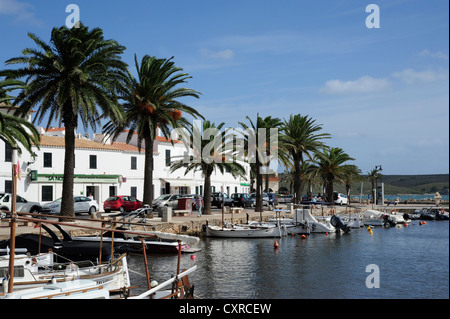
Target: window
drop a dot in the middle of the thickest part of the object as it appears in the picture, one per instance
(112, 190)
(133, 162)
(47, 193)
(133, 191)
(167, 157)
(8, 186)
(47, 159)
(93, 161)
(8, 153)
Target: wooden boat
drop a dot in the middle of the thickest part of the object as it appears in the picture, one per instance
(83, 288)
(39, 270)
(243, 231)
(159, 243)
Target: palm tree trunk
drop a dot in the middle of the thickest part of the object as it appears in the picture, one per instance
(67, 208)
(207, 192)
(259, 184)
(330, 195)
(148, 172)
(297, 182)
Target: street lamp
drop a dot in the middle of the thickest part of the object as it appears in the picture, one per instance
(378, 168)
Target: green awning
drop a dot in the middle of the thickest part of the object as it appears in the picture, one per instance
(78, 178)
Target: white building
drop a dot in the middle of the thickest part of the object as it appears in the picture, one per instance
(104, 169)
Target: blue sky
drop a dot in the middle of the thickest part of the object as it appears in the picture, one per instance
(382, 93)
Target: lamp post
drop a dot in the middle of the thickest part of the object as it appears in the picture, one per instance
(378, 168)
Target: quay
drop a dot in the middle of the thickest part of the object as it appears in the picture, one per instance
(191, 224)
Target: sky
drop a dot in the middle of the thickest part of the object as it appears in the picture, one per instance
(382, 93)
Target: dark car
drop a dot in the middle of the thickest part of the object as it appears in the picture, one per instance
(121, 203)
(273, 198)
(217, 198)
(242, 200)
(265, 199)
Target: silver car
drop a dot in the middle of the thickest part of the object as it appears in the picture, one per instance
(81, 204)
(169, 200)
(22, 205)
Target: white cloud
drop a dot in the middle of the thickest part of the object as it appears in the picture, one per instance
(437, 55)
(21, 11)
(411, 76)
(222, 55)
(365, 84)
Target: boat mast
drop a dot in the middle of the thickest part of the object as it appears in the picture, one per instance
(13, 221)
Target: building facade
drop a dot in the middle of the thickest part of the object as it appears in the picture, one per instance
(104, 168)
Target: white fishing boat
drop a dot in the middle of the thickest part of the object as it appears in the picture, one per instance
(39, 270)
(76, 289)
(243, 231)
(303, 222)
(377, 218)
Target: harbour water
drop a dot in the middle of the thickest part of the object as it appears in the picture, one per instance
(405, 263)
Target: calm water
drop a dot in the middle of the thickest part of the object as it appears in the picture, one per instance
(413, 263)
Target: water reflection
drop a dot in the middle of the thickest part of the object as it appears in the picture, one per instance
(319, 266)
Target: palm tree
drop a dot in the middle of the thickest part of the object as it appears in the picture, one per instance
(15, 130)
(351, 174)
(151, 101)
(330, 167)
(255, 153)
(269, 123)
(301, 138)
(216, 160)
(67, 79)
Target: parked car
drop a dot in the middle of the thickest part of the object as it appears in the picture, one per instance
(169, 200)
(265, 199)
(340, 199)
(22, 205)
(242, 200)
(286, 199)
(273, 198)
(121, 203)
(81, 204)
(216, 199)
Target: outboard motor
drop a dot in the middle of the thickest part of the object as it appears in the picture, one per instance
(387, 221)
(337, 223)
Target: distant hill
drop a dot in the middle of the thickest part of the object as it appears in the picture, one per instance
(402, 184)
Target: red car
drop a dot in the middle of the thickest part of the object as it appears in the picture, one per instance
(121, 203)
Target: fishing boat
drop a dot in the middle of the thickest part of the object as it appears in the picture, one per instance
(176, 287)
(303, 222)
(39, 270)
(243, 231)
(376, 218)
(158, 243)
(65, 248)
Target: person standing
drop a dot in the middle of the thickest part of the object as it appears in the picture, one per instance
(199, 205)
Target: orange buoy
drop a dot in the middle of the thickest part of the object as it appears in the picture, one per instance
(405, 224)
(276, 245)
(326, 234)
(303, 236)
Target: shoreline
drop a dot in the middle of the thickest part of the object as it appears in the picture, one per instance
(193, 225)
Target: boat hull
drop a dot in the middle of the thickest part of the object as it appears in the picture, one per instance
(243, 232)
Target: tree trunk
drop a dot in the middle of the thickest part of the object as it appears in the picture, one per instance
(297, 182)
(259, 184)
(148, 172)
(330, 193)
(207, 192)
(67, 208)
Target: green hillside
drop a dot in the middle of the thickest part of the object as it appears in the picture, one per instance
(401, 184)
